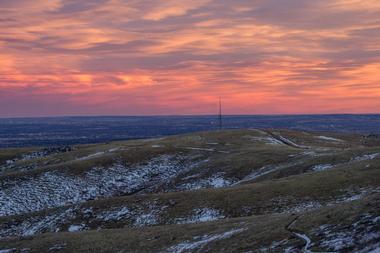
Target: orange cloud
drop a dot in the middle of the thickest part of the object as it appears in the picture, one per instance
(170, 8)
(177, 57)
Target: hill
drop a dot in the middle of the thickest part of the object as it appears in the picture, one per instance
(252, 190)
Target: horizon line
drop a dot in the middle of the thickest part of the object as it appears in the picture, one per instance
(185, 115)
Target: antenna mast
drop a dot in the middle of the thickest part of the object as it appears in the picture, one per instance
(220, 113)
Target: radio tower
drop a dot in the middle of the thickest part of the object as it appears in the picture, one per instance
(220, 114)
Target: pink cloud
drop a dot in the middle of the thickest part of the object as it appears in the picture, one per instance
(178, 57)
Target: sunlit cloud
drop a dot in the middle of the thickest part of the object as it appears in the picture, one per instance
(170, 8)
(64, 57)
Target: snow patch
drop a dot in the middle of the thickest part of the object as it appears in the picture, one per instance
(40, 224)
(8, 250)
(114, 149)
(304, 206)
(267, 170)
(215, 181)
(200, 242)
(76, 228)
(351, 195)
(53, 189)
(141, 216)
(364, 232)
(292, 205)
(147, 219)
(116, 214)
(201, 215)
(192, 176)
(329, 139)
(366, 157)
(91, 156)
(375, 248)
(272, 248)
(200, 149)
(322, 167)
(267, 140)
(58, 247)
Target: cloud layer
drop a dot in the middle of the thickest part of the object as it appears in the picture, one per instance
(66, 57)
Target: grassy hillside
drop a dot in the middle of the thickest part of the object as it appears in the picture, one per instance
(234, 191)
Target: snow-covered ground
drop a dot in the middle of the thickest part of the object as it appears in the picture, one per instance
(40, 224)
(200, 149)
(362, 235)
(206, 149)
(267, 170)
(366, 157)
(340, 238)
(267, 140)
(200, 242)
(322, 167)
(76, 227)
(303, 206)
(97, 154)
(200, 215)
(292, 205)
(361, 158)
(326, 138)
(115, 214)
(65, 193)
(215, 181)
(39, 154)
(351, 195)
(67, 219)
(53, 188)
(12, 250)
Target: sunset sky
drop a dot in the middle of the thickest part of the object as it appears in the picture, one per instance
(155, 57)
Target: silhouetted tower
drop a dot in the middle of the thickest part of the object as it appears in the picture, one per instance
(220, 114)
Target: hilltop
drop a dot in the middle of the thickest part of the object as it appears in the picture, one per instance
(253, 190)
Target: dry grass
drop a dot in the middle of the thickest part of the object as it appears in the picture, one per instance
(257, 205)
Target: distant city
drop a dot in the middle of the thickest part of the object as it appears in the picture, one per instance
(59, 131)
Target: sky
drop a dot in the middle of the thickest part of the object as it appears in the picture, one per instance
(177, 57)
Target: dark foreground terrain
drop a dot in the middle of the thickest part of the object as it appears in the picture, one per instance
(230, 191)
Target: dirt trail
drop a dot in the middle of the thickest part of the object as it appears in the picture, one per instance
(285, 140)
(301, 236)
